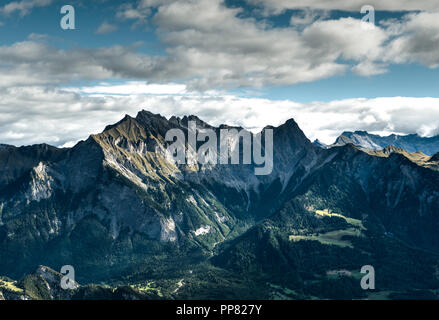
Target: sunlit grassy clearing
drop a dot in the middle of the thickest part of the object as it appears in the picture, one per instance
(147, 287)
(330, 238)
(328, 213)
(9, 285)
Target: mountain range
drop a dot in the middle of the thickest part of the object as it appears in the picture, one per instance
(411, 143)
(129, 218)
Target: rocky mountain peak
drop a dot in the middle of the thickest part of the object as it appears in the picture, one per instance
(290, 133)
(435, 158)
(199, 123)
(149, 118)
(343, 140)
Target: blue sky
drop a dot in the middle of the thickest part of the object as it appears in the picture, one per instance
(89, 16)
(261, 52)
(412, 79)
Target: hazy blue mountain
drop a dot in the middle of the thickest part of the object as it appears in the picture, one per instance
(411, 143)
(320, 144)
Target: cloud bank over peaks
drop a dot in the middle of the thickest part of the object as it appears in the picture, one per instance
(61, 117)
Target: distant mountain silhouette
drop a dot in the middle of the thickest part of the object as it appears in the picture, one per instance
(411, 143)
